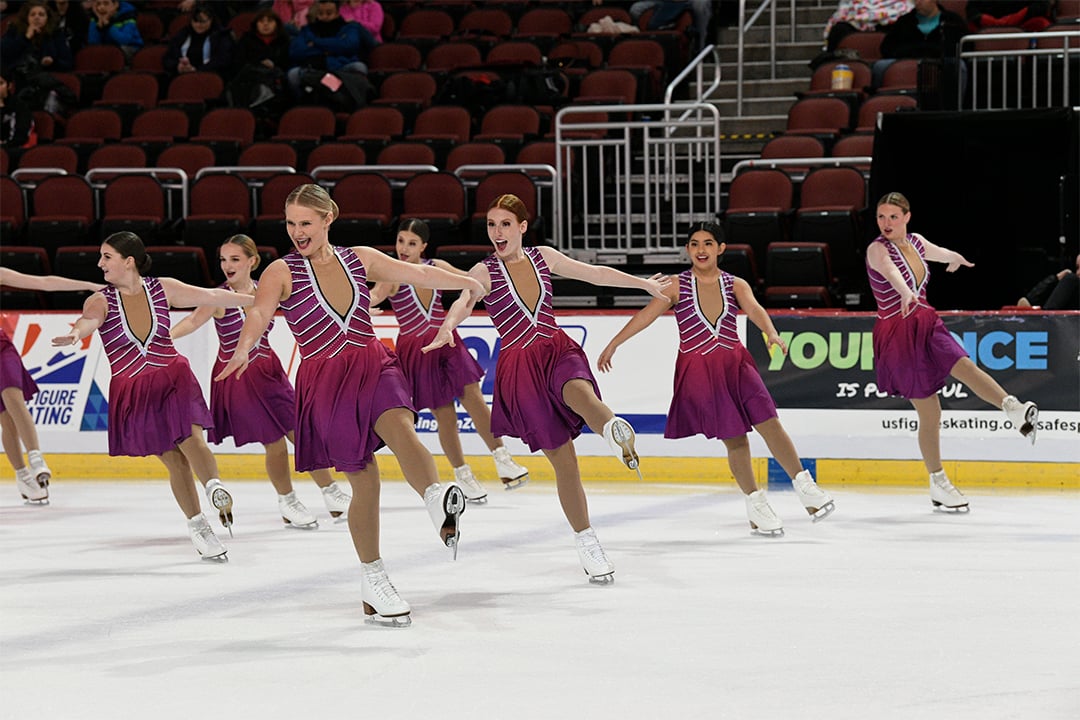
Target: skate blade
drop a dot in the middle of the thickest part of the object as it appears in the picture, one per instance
(222, 558)
(623, 435)
(393, 621)
(310, 526)
(777, 533)
(950, 509)
(478, 501)
(819, 514)
(514, 483)
(608, 579)
(452, 543)
(39, 501)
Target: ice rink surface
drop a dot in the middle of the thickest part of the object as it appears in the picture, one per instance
(884, 610)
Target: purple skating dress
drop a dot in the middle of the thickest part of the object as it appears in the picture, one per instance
(718, 390)
(12, 371)
(154, 398)
(441, 375)
(260, 405)
(535, 360)
(913, 355)
(347, 378)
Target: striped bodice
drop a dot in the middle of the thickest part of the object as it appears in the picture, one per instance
(228, 328)
(128, 355)
(696, 333)
(413, 318)
(885, 295)
(517, 325)
(319, 330)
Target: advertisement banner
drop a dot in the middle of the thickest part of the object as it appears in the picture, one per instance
(824, 388)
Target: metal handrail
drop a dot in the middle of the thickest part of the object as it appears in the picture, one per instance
(154, 172)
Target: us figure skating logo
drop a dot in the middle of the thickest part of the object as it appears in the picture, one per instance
(63, 388)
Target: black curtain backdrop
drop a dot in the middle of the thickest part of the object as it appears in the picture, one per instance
(1000, 187)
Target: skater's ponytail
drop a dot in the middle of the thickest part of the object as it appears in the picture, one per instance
(129, 245)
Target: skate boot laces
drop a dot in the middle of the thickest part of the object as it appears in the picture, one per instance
(593, 558)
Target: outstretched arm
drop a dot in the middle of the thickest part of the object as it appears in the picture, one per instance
(181, 294)
(193, 321)
(94, 310)
(599, 275)
(641, 320)
(936, 253)
(274, 286)
(45, 283)
(757, 314)
(878, 258)
(461, 308)
(382, 290)
(383, 268)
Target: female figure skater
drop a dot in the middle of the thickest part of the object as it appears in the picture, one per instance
(544, 390)
(718, 390)
(913, 352)
(438, 377)
(155, 404)
(351, 396)
(262, 407)
(16, 387)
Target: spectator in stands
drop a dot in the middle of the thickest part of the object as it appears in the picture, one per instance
(666, 12)
(33, 44)
(853, 16)
(16, 117)
(1030, 16)
(328, 43)
(262, 57)
(113, 23)
(368, 13)
(1059, 291)
(295, 13)
(73, 22)
(927, 32)
(203, 45)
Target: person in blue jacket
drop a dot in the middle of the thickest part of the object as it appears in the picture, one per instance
(328, 42)
(113, 23)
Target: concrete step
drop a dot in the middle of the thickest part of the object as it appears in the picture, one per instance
(762, 88)
(760, 35)
(803, 51)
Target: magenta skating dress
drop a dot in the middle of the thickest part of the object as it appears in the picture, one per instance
(441, 375)
(347, 378)
(12, 371)
(260, 405)
(718, 391)
(154, 398)
(913, 355)
(535, 360)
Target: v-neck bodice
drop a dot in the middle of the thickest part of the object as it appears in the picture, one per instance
(414, 318)
(129, 354)
(885, 295)
(697, 333)
(320, 331)
(228, 328)
(519, 325)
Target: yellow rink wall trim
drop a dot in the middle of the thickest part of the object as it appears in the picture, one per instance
(675, 470)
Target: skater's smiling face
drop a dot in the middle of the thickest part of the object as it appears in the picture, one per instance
(410, 247)
(704, 250)
(236, 265)
(505, 231)
(308, 229)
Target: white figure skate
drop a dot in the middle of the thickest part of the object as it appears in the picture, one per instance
(294, 513)
(511, 474)
(33, 492)
(600, 570)
(620, 437)
(818, 502)
(41, 471)
(382, 604)
(220, 498)
(1025, 416)
(474, 491)
(944, 496)
(763, 520)
(337, 502)
(445, 504)
(205, 541)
